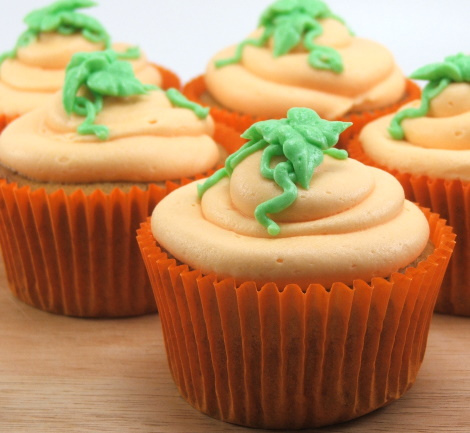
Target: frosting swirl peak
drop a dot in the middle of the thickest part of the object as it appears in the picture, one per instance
(303, 55)
(302, 139)
(349, 221)
(361, 234)
(432, 136)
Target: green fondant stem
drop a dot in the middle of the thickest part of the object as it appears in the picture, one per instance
(211, 181)
(336, 153)
(279, 203)
(271, 151)
(100, 74)
(179, 100)
(309, 39)
(62, 18)
(239, 50)
(297, 139)
(249, 148)
(88, 126)
(431, 90)
(289, 25)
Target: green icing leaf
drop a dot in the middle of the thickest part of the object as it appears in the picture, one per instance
(454, 69)
(286, 37)
(98, 74)
(317, 8)
(437, 71)
(302, 140)
(302, 117)
(291, 22)
(462, 62)
(49, 23)
(304, 158)
(117, 79)
(61, 18)
(282, 177)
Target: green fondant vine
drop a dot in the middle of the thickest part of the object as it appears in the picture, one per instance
(454, 69)
(290, 22)
(92, 76)
(302, 140)
(61, 17)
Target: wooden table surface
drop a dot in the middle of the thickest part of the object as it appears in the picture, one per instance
(59, 374)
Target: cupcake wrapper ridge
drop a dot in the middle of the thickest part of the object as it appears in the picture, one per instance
(169, 78)
(195, 88)
(76, 254)
(283, 358)
(451, 200)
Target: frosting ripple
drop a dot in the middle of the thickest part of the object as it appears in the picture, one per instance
(436, 145)
(352, 223)
(149, 141)
(38, 71)
(268, 86)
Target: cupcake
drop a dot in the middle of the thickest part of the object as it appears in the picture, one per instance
(35, 68)
(78, 176)
(427, 147)
(298, 291)
(302, 54)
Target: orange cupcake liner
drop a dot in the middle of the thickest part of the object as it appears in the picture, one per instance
(280, 357)
(5, 120)
(75, 254)
(197, 87)
(451, 200)
(169, 78)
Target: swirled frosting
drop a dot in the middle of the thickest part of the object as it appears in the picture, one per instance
(38, 70)
(149, 141)
(352, 223)
(267, 86)
(437, 144)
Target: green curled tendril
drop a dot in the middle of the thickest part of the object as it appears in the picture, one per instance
(302, 140)
(290, 22)
(60, 17)
(90, 77)
(454, 69)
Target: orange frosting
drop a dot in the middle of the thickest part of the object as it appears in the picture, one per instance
(436, 145)
(352, 223)
(38, 71)
(267, 86)
(150, 140)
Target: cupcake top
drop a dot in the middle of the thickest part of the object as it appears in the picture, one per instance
(304, 55)
(35, 67)
(289, 208)
(107, 126)
(431, 136)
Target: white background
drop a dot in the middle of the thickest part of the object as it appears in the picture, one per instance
(183, 35)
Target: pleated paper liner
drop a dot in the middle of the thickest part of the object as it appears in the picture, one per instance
(451, 200)
(169, 78)
(283, 358)
(196, 88)
(75, 253)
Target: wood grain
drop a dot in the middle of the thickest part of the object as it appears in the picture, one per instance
(59, 374)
